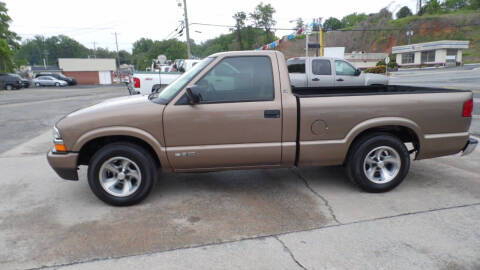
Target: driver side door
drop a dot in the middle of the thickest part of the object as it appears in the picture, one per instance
(237, 122)
(345, 75)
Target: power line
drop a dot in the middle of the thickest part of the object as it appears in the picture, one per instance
(338, 30)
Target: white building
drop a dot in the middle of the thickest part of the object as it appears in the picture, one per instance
(442, 52)
(89, 70)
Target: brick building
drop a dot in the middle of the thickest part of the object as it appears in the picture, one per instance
(89, 70)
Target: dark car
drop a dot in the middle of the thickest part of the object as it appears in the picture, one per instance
(58, 76)
(11, 81)
(25, 82)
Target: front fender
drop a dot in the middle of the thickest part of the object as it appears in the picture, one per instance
(124, 131)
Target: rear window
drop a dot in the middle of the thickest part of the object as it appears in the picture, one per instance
(296, 66)
(321, 67)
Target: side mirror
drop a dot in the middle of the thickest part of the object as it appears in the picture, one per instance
(193, 97)
(358, 72)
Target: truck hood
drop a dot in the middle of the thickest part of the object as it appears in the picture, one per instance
(136, 112)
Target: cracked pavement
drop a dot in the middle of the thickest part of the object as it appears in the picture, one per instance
(300, 218)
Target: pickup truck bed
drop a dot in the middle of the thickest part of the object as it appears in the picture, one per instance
(369, 90)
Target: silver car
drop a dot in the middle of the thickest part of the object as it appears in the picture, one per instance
(48, 81)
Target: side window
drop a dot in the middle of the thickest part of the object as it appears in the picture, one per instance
(344, 68)
(296, 66)
(321, 67)
(237, 79)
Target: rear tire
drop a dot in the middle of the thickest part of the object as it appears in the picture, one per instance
(121, 174)
(378, 162)
(37, 84)
(9, 87)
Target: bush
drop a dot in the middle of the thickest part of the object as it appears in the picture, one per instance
(377, 69)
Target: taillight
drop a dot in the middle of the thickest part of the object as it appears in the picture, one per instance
(136, 82)
(468, 108)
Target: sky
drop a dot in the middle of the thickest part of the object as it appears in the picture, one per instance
(96, 21)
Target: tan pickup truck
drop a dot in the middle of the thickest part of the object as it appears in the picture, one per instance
(236, 110)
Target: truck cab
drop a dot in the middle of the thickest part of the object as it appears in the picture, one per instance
(311, 72)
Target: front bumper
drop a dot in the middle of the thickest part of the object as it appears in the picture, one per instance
(470, 146)
(64, 164)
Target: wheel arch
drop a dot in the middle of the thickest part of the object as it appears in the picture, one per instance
(404, 129)
(93, 140)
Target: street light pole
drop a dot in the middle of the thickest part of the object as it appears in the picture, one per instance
(186, 28)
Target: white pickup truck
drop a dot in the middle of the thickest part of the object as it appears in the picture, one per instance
(306, 72)
(146, 82)
(143, 81)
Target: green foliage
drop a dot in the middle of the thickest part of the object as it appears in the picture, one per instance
(456, 4)
(142, 45)
(353, 19)
(392, 64)
(34, 50)
(299, 23)
(6, 63)
(240, 18)
(377, 69)
(262, 16)
(8, 40)
(332, 24)
(404, 12)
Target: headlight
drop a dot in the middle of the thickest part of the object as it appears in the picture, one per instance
(56, 133)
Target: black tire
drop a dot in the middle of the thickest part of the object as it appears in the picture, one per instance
(8, 87)
(135, 153)
(358, 154)
(37, 84)
(57, 84)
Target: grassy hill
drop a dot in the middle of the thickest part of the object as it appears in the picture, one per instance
(461, 25)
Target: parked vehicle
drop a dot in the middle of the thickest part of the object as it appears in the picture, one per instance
(188, 64)
(58, 76)
(144, 82)
(48, 81)
(328, 72)
(11, 81)
(236, 110)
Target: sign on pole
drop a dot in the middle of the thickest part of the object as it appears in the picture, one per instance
(387, 60)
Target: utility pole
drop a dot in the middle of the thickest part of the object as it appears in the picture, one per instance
(94, 51)
(118, 57)
(186, 28)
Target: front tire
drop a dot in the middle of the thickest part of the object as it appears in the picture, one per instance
(57, 84)
(121, 174)
(9, 87)
(37, 84)
(378, 162)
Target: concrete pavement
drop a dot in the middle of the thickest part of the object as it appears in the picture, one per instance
(309, 218)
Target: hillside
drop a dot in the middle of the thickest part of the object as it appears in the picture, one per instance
(459, 25)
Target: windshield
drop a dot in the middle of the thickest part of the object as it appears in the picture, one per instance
(171, 90)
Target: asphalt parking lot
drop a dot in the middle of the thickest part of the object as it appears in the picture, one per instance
(309, 218)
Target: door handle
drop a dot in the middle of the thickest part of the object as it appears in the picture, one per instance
(340, 80)
(271, 114)
(315, 79)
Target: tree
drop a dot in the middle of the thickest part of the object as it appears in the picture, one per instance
(456, 4)
(432, 7)
(34, 50)
(8, 40)
(332, 24)
(262, 17)
(474, 4)
(353, 19)
(240, 18)
(142, 45)
(299, 23)
(404, 12)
